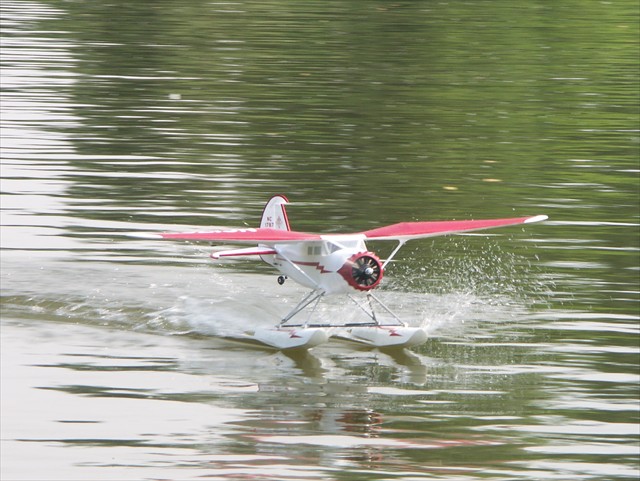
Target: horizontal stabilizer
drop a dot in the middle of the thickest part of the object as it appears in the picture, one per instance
(250, 251)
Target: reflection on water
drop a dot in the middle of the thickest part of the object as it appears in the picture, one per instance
(120, 357)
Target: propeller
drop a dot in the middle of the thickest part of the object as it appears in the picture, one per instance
(362, 271)
(366, 270)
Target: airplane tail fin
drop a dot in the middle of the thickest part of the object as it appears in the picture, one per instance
(274, 215)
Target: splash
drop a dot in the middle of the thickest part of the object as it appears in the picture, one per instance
(460, 287)
(229, 317)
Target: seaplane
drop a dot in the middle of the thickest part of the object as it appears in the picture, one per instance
(332, 264)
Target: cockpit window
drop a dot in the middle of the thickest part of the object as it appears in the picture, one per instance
(332, 247)
(314, 250)
(322, 248)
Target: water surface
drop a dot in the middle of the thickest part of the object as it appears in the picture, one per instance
(117, 354)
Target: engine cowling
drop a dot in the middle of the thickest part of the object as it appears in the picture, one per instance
(362, 271)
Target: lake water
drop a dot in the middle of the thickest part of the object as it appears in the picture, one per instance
(122, 117)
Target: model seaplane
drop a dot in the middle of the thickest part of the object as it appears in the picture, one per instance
(332, 264)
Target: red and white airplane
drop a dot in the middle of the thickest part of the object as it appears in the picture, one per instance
(332, 264)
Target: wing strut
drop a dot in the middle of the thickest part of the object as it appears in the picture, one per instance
(296, 267)
(401, 242)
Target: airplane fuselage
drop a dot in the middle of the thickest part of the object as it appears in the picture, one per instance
(335, 264)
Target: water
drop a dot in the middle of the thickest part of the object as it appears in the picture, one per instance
(123, 117)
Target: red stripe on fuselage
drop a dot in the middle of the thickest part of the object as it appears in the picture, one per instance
(317, 265)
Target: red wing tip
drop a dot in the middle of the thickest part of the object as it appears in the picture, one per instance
(537, 218)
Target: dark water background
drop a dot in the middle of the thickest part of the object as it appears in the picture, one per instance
(148, 115)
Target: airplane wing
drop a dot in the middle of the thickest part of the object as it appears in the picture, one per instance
(414, 230)
(403, 231)
(249, 235)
